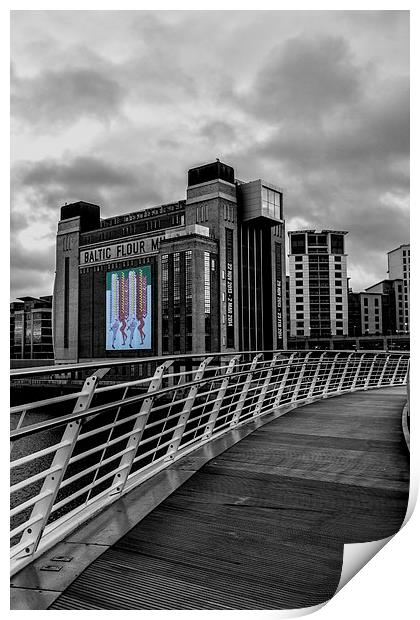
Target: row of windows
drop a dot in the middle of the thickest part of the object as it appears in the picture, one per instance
(137, 228)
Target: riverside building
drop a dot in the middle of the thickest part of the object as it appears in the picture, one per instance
(318, 283)
(202, 274)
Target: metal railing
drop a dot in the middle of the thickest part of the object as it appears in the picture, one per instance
(74, 454)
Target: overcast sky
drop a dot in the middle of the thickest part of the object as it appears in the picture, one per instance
(114, 107)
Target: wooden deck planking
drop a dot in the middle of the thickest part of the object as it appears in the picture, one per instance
(262, 526)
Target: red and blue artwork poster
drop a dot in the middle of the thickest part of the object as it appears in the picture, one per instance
(129, 309)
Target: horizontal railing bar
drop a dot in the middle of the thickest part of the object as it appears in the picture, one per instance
(61, 520)
(77, 494)
(28, 481)
(83, 455)
(30, 502)
(137, 398)
(94, 467)
(56, 422)
(145, 454)
(38, 454)
(146, 468)
(47, 402)
(43, 370)
(62, 368)
(25, 525)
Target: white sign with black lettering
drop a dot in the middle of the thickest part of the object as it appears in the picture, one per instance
(120, 251)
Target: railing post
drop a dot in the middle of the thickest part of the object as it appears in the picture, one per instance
(330, 375)
(314, 380)
(185, 414)
(370, 372)
(208, 430)
(138, 429)
(265, 386)
(244, 392)
(343, 376)
(42, 508)
(357, 373)
(300, 378)
(383, 371)
(398, 364)
(283, 381)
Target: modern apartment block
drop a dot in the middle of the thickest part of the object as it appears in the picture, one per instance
(318, 283)
(202, 274)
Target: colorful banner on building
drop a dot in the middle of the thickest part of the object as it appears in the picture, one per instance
(129, 309)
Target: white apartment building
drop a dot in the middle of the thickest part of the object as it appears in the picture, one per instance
(318, 283)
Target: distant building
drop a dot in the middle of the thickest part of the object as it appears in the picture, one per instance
(31, 328)
(399, 269)
(318, 283)
(365, 314)
(392, 299)
(395, 292)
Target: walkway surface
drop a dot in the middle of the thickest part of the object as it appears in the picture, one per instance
(262, 526)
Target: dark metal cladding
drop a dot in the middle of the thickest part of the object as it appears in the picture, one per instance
(89, 214)
(211, 172)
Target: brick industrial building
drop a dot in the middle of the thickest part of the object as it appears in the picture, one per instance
(197, 275)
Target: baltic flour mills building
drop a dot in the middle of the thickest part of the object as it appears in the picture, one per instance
(204, 274)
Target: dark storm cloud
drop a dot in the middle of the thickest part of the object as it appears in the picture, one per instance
(306, 79)
(57, 97)
(51, 183)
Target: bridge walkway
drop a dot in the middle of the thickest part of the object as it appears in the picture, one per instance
(262, 526)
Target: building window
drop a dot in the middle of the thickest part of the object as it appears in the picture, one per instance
(337, 244)
(271, 203)
(66, 301)
(298, 244)
(177, 280)
(207, 283)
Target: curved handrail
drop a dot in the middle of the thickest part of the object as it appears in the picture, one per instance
(77, 462)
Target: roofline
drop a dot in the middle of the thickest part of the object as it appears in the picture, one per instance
(403, 245)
